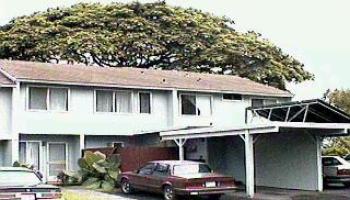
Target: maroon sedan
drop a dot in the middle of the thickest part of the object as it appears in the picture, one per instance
(177, 178)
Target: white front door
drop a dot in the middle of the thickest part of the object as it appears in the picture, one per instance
(57, 159)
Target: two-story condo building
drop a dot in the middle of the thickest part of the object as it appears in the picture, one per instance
(50, 112)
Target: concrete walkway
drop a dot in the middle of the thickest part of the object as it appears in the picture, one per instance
(78, 193)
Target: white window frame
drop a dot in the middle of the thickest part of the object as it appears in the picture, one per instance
(231, 100)
(263, 98)
(47, 98)
(150, 102)
(196, 96)
(41, 163)
(114, 92)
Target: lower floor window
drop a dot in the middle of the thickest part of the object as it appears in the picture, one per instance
(29, 153)
(56, 156)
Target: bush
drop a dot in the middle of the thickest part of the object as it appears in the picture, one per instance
(96, 172)
(67, 178)
(18, 164)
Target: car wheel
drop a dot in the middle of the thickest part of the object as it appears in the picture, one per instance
(125, 186)
(168, 193)
(215, 197)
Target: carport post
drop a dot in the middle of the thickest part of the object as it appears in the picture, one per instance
(249, 166)
(81, 143)
(319, 163)
(180, 143)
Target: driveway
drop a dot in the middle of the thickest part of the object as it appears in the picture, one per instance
(262, 194)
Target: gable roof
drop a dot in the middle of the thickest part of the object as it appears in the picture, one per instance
(134, 78)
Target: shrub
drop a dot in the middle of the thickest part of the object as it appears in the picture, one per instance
(96, 172)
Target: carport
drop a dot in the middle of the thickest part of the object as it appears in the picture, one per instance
(281, 143)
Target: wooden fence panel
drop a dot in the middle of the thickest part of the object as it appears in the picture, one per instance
(133, 158)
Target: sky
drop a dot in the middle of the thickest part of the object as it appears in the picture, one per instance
(316, 32)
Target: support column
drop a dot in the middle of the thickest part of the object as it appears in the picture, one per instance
(319, 163)
(175, 108)
(180, 143)
(82, 143)
(249, 164)
(14, 123)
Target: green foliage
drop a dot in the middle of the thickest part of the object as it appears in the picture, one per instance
(147, 35)
(340, 99)
(18, 164)
(69, 178)
(338, 145)
(96, 172)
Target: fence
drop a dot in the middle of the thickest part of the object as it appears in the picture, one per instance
(133, 158)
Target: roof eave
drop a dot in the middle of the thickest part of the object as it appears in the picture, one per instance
(24, 80)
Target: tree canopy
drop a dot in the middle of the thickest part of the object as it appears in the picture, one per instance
(150, 35)
(338, 145)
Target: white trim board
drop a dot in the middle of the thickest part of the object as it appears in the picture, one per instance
(271, 127)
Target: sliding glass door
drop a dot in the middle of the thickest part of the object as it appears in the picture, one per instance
(57, 159)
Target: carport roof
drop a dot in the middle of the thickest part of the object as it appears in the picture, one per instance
(315, 110)
(322, 129)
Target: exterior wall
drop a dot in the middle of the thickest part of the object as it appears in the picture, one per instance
(5, 111)
(281, 160)
(227, 155)
(224, 113)
(223, 154)
(73, 148)
(81, 117)
(197, 149)
(104, 141)
(286, 161)
(151, 139)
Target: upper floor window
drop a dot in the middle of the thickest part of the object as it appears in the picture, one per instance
(123, 101)
(145, 102)
(58, 98)
(188, 105)
(42, 98)
(232, 97)
(262, 102)
(196, 105)
(113, 101)
(104, 101)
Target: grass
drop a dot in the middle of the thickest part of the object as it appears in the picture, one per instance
(80, 193)
(71, 195)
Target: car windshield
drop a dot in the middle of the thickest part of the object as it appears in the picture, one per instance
(347, 157)
(191, 169)
(334, 161)
(16, 178)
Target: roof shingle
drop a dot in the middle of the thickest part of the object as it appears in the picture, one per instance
(134, 77)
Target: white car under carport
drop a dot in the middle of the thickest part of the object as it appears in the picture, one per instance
(336, 170)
